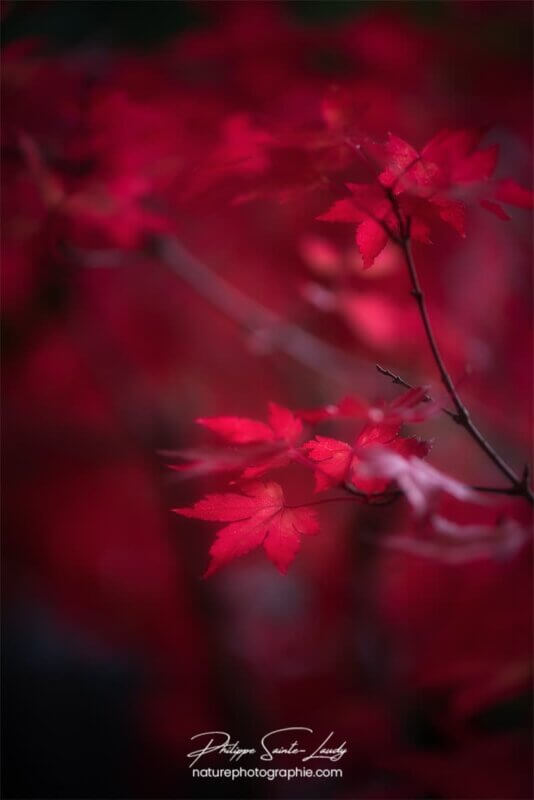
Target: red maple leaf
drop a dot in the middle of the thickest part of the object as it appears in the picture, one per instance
(336, 461)
(332, 458)
(263, 446)
(411, 406)
(370, 208)
(448, 159)
(283, 425)
(257, 517)
(350, 406)
(422, 183)
(278, 436)
(388, 436)
(421, 483)
(242, 150)
(510, 193)
(451, 160)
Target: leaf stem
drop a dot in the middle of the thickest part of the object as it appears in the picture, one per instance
(323, 500)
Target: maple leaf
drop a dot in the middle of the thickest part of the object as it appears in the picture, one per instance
(411, 406)
(282, 425)
(239, 430)
(243, 150)
(420, 482)
(405, 167)
(421, 183)
(267, 463)
(113, 210)
(262, 446)
(205, 461)
(371, 210)
(298, 161)
(336, 461)
(449, 160)
(257, 517)
(280, 434)
(388, 436)
(456, 155)
(332, 458)
(350, 406)
(510, 193)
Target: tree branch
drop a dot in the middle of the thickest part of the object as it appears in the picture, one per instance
(268, 326)
(461, 416)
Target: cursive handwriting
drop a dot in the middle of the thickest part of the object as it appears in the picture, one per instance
(328, 753)
(226, 746)
(273, 744)
(286, 751)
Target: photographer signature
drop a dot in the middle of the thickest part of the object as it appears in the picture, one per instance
(280, 742)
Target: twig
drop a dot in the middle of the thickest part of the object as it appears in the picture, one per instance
(461, 415)
(397, 379)
(401, 382)
(510, 490)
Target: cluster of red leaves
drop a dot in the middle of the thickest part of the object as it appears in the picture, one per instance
(378, 461)
(430, 185)
(425, 184)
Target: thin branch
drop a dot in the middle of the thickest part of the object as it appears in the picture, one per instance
(401, 382)
(461, 416)
(512, 491)
(251, 315)
(393, 494)
(397, 379)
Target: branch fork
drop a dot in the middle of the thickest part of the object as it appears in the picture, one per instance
(520, 485)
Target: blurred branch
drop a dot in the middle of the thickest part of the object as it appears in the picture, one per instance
(390, 495)
(270, 329)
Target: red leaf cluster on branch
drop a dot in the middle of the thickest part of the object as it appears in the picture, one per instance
(427, 185)
(409, 191)
(376, 467)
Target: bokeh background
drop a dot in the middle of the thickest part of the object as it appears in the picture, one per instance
(139, 295)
